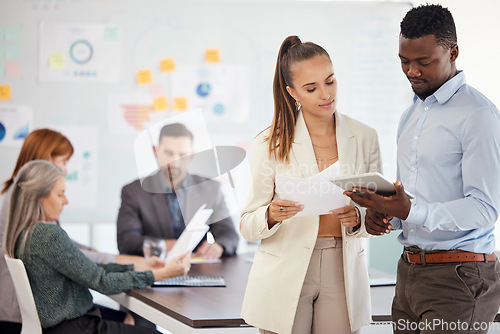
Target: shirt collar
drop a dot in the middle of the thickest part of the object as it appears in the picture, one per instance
(166, 186)
(448, 89)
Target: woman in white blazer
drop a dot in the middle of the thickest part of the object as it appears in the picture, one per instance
(309, 274)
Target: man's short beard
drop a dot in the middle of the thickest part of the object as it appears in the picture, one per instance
(173, 179)
(424, 94)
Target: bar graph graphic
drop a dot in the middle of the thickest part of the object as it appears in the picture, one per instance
(137, 115)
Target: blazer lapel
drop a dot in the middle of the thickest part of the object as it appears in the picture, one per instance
(346, 145)
(190, 195)
(302, 150)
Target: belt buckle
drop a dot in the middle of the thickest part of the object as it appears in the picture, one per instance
(422, 256)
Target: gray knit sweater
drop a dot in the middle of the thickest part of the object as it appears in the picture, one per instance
(60, 275)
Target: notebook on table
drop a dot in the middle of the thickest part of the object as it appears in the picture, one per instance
(192, 281)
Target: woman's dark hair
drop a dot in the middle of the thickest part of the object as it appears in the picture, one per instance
(282, 129)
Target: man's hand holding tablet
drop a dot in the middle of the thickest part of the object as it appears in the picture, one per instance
(375, 182)
(381, 197)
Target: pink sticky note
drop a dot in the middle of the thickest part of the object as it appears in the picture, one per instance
(13, 68)
(157, 90)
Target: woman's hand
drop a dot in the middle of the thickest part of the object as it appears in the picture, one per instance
(177, 267)
(143, 264)
(348, 215)
(280, 210)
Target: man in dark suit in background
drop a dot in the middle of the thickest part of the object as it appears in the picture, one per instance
(161, 205)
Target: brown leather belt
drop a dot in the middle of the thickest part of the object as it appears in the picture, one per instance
(447, 257)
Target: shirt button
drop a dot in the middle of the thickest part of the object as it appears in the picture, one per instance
(412, 230)
(413, 169)
(416, 137)
(426, 108)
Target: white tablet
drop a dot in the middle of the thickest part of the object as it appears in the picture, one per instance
(371, 181)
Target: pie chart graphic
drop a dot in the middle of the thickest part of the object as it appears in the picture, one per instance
(218, 109)
(81, 51)
(203, 89)
(2, 131)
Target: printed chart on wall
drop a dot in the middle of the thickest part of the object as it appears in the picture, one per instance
(15, 124)
(81, 179)
(131, 112)
(79, 53)
(221, 91)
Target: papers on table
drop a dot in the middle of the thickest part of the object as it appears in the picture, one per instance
(203, 260)
(192, 234)
(316, 193)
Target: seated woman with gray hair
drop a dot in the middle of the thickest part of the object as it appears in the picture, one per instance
(59, 273)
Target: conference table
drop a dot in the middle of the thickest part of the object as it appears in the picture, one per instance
(216, 309)
(197, 309)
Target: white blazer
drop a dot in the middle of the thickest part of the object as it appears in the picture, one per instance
(283, 256)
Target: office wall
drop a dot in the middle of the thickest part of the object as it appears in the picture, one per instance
(361, 38)
(78, 65)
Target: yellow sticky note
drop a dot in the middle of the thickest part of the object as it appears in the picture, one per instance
(180, 104)
(57, 61)
(4, 93)
(167, 65)
(212, 56)
(160, 103)
(144, 77)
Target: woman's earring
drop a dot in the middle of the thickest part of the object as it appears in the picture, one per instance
(298, 105)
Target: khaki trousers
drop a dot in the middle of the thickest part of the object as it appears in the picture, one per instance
(322, 307)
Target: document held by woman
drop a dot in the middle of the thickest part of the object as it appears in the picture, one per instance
(316, 193)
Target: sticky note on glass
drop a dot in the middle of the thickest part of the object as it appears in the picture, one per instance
(4, 92)
(167, 65)
(13, 33)
(144, 77)
(156, 90)
(112, 33)
(13, 68)
(180, 103)
(12, 51)
(160, 103)
(57, 61)
(212, 56)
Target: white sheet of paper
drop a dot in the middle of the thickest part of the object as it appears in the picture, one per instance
(192, 234)
(316, 193)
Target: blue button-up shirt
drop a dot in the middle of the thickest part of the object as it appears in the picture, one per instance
(449, 158)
